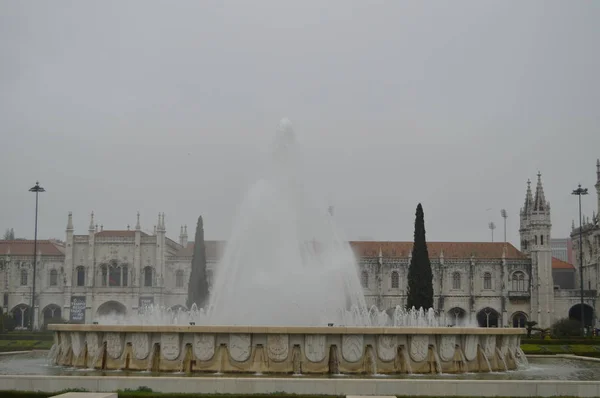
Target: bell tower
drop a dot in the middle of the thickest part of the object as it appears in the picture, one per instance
(535, 231)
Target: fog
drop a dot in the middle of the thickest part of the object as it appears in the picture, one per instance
(155, 106)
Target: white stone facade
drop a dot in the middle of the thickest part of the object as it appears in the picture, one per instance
(490, 283)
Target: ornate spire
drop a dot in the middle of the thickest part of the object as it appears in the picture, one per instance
(528, 198)
(539, 203)
(185, 231)
(572, 225)
(137, 224)
(70, 222)
(161, 222)
(598, 171)
(91, 228)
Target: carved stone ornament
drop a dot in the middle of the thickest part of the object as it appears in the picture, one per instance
(239, 347)
(418, 347)
(315, 347)
(470, 347)
(65, 341)
(77, 343)
(504, 342)
(489, 345)
(278, 347)
(141, 345)
(387, 346)
(447, 347)
(91, 340)
(513, 344)
(114, 345)
(204, 346)
(352, 347)
(169, 345)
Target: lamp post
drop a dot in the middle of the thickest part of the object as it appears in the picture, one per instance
(492, 227)
(37, 189)
(504, 216)
(581, 191)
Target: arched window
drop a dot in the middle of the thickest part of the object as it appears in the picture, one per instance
(148, 276)
(125, 272)
(53, 277)
(487, 281)
(23, 277)
(115, 275)
(80, 276)
(456, 281)
(541, 239)
(518, 281)
(364, 279)
(104, 274)
(395, 280)
(519, 319)
(179, 278)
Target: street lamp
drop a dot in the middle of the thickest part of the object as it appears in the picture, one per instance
(504, 216)
(581, 191)
(37, 189)
(492, 227)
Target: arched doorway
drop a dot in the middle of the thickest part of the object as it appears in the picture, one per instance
(22, 316)
(111, 308)
(488, 318)
(52, 314)
(519, 319)
(588, 314)
(456, 316)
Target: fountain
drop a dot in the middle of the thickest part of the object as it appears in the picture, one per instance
(286, 299)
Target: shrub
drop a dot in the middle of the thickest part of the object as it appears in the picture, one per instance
(566, 328)
(7, 323)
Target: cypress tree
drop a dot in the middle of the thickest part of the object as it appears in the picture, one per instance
(198, 286)
(420, 277)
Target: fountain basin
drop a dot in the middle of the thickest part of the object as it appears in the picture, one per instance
(287, 350)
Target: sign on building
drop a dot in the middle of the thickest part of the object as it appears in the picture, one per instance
(77, 313)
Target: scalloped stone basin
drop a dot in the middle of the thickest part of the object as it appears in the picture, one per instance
(292, 350)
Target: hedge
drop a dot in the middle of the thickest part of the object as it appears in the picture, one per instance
(592, 342)
(42, 336)
(575, 349)
(140, 394)
(150, 394)
(24, 345)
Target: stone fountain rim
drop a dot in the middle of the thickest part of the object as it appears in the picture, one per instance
(368, 330)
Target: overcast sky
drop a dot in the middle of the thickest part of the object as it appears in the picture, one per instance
(170, 106)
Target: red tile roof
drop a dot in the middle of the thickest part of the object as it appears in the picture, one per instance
(118, 234)
(214, 249)
(559, 264)
(25, 248)
(485, 250)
